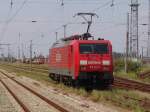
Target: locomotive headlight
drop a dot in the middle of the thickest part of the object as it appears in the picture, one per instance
(106, 62)
(83, 62)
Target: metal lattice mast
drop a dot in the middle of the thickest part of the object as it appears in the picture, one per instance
(134, 41)
(148, 46)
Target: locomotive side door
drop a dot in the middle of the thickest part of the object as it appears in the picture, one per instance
(71, 60)
(74, 60)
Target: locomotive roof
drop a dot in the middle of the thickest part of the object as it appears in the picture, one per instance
(79, 38)
(62, 43)
(84, 36)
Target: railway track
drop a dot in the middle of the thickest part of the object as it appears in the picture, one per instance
(34, 68)
(118, 81)
(28, 69)
(10, 84)
(144, 75)
(131, 84)
(23, 106)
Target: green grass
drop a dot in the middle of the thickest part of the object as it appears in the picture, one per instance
(108, 97)
(146, 67)
(134, 68)
(130, 75)
(134, 75)
(42, 66)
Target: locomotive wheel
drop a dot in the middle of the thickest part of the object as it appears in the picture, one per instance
(51, 76)
(69, 81)
(75, 83)
(105, 84)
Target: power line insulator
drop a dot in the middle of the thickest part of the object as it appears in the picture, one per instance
(62, 3)
(112, 4)
(11, 4)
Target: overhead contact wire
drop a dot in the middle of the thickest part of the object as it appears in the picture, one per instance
(8, 21)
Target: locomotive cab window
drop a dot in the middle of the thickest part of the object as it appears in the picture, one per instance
(93, 48)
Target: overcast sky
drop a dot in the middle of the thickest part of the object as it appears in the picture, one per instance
(50, 16)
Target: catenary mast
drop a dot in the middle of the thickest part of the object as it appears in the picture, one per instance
(148, 45)
(134, 39)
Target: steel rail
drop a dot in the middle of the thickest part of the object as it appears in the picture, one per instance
(131, 84)
(51, 103)
(27, 68)
(121, 83)
(144, 74)
(16, 98)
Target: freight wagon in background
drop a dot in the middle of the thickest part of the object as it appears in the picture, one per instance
(80, 61)
(146, 60)
(37, 60)
(40, 60)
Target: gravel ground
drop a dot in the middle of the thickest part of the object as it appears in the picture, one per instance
(34, 103)
(72, 102)
(7, 102)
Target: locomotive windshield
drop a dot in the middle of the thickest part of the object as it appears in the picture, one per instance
(93, 48)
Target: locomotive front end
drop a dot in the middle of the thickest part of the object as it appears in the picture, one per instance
(96, 62)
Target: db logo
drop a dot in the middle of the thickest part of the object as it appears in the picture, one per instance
(58, 57)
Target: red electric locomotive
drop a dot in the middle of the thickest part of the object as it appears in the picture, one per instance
(81, 61)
